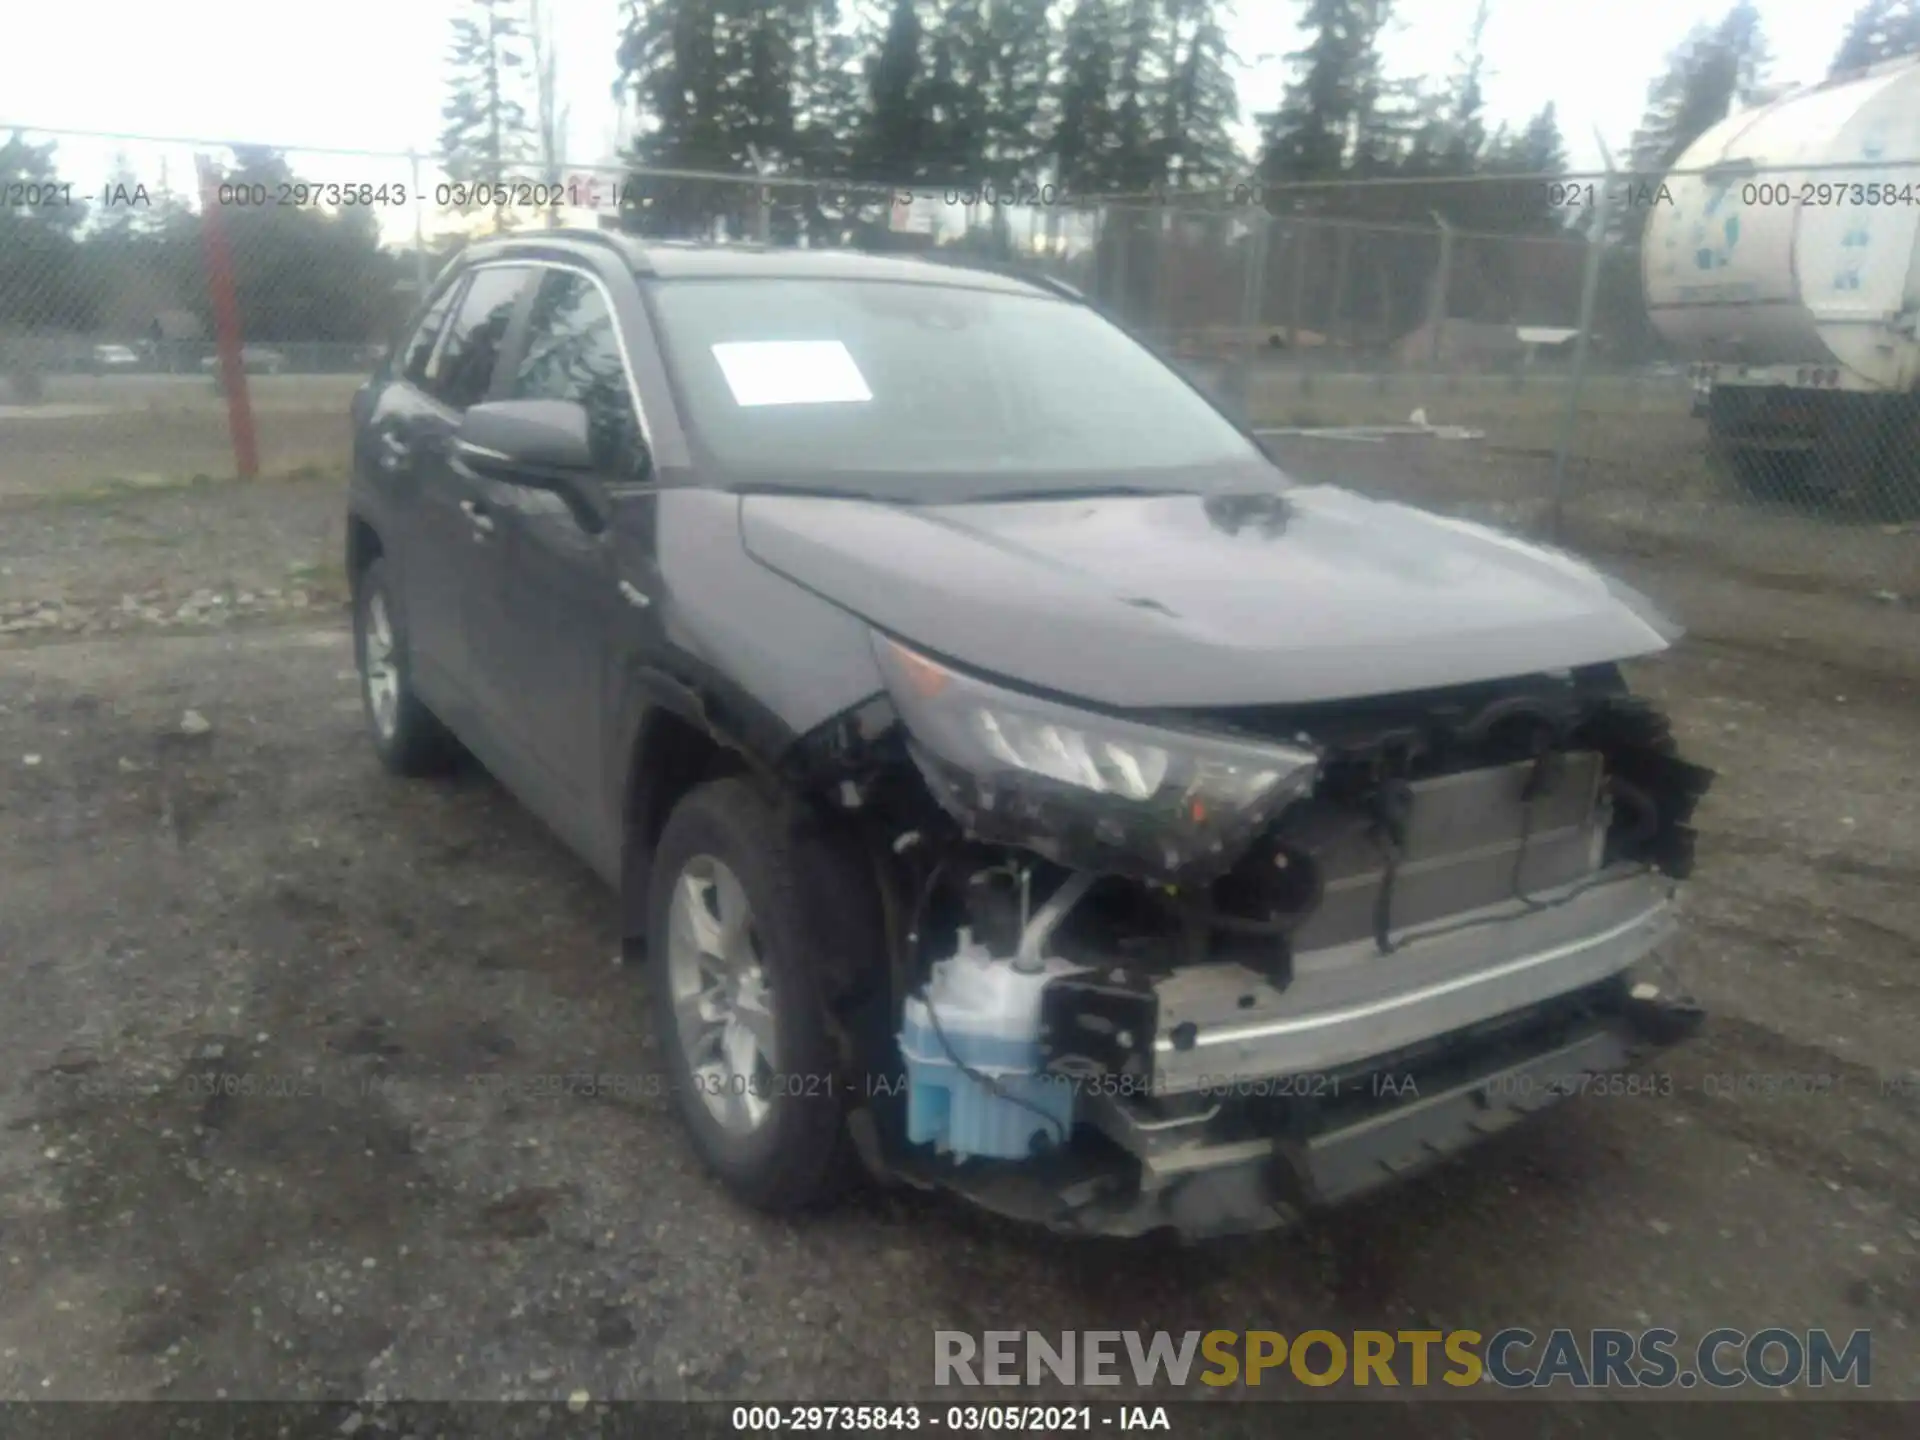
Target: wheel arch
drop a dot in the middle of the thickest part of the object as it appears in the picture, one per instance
(364, 546)
(674, 750)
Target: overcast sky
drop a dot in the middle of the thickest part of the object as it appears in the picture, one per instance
(369, 74)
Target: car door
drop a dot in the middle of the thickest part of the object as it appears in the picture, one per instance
(544, 652)
(398, 413)
(450, 554)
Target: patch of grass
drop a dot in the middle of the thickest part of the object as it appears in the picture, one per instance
(113, 488)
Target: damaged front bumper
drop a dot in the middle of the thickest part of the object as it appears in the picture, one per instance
(1223, 1024)
(1333, 1138)
(1268, 1101)
(1416, 932)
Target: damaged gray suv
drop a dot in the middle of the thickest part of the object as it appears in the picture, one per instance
(1012, 783)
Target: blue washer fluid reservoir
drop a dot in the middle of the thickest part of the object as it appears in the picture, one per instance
(989, 1013)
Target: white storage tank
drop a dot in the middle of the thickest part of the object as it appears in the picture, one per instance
(1755, 265)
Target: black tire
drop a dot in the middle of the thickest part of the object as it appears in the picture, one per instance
(800, 896)
(413, 742)
(1767, 476)
(1886, 474)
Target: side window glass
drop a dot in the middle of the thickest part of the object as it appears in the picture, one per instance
(573, 353)
(461, 371)
(413, 363)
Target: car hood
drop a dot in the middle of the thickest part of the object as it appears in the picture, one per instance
(1311, 593)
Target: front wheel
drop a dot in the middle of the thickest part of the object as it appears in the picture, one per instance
(741, 989)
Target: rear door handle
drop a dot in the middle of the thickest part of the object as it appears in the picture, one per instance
(482, 522)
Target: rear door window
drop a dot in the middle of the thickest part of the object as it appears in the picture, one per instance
(419, 351)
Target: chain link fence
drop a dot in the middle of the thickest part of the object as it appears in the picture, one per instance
(1480, 347)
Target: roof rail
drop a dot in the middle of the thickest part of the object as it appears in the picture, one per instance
(627, 246)
(1007, 271)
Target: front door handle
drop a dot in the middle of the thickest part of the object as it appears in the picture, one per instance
(482, 522)
(393, 452)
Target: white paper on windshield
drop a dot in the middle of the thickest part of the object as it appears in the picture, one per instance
(791, 372)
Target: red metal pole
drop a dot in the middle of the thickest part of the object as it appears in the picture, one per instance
(226, 322)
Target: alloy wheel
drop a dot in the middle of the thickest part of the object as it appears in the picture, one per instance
(722, 1006)
(382, 667)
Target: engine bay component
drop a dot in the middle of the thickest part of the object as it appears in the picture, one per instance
(1100, 1022)
(1151, 1008)
(1466, 840)
(971, 1043)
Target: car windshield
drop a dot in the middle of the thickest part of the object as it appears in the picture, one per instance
(934, 393)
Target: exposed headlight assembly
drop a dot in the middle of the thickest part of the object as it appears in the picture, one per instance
(1091, 791)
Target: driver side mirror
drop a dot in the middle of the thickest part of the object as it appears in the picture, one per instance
(526, 441)
(544, 444)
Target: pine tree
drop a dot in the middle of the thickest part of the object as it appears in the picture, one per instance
(1466, 118)
(550, 116)
(827, 103)
(487, 130)
(1019, 92)
(39, 259)
(1716, 67)
(1537, 149)
(1880, 30)
(670, 65)
(827, 110)
(1328, 120)
(758, 41)
(1201, 102)
(960, 56)
(1137, 165)
(1086, 136)
(899, 120)
(1541, 149)
(122, 219)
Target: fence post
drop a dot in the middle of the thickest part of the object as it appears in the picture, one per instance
(226, 322)
(1297, 242)
(1437, 313)
(1160, 304)
(1589, 291)
(1342, 260)
(762, 198)
(1252, 305)
(419, 228)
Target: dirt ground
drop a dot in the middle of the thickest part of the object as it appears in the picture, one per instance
(257, 908)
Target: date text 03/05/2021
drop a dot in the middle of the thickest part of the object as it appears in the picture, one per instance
(947, 1419)
(215, 1080)
(651, 1084)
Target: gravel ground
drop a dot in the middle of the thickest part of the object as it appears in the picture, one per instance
(240, 900)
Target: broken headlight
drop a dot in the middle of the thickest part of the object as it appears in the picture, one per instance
(1090, 791)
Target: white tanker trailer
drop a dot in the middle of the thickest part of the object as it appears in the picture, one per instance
(1787, 267)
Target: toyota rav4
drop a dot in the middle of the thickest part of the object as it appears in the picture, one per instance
(1011, 781)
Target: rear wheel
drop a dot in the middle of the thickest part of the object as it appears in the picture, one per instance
(1767, 475)
(741, 977)
(1765, 461)
(1887, 483)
